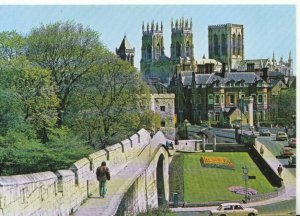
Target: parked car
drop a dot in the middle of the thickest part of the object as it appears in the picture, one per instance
(292, 160)
(292, 142)
(281, 136)
(233, 209)
(286, 152)
(264, 132)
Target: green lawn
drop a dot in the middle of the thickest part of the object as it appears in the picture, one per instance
(211, 184)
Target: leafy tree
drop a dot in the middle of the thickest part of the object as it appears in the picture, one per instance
(286, 107)
(12, 45)
(69, 51)
(107, 104)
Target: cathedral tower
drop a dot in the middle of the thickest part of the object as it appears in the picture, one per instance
(152, 42)
(125, 51)
(182, 45)
(152, 47)
(226, 44)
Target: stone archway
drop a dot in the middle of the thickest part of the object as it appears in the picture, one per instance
(161, 196)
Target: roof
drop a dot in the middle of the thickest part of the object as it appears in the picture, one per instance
(258, 63)
(125, 45)
(247, 77)
(208, 61)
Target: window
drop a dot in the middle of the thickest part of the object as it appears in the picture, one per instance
(242, 84)
(234, 44)
(162, 108)
(239, 45)
(157, 54)
(216, 45)
(223, 44)
(217, 99)
(217, 116)
(210, 99)
(231, 99)
(187, 49)
(260, 99)
(178, 53)
(222, 98)
(163, 124)
(149, 52)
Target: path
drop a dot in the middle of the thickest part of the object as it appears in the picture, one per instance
(116, 188)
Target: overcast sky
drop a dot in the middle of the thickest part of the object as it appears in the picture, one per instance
(267, 28)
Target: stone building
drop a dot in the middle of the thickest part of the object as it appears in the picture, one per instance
(211, 88)
(164, 105)
(125, 51)
(209, 97)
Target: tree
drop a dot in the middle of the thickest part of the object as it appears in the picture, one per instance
(107, 103)
(69, 51)
(286, 107)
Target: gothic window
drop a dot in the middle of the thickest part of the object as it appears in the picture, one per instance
(132, 60)
(216, 45)
(149, 52)
(223, 44)
(239, 45)
(163, 124)
(187, 49)
(233, 44)
(162, 108)
(157, 54)
(178, 54)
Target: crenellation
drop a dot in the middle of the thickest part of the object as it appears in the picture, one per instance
(59, 193)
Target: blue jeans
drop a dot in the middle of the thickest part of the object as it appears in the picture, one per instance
(102, 188)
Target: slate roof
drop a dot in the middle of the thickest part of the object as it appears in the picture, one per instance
(258, 63)
(248, 77)
(125, 45)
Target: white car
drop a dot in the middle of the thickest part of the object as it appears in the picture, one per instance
(227, 209)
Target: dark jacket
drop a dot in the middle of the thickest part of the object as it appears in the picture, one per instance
(102, 173)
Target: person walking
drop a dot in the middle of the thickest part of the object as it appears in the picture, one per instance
(279, 170)
(262, 150)
(103, 175)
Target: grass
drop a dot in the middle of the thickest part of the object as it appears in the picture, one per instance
(176, 177)
(211, 184)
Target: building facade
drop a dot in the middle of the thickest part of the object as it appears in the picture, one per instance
(126, 51)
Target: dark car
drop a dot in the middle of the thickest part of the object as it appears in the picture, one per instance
(292, 142)
(264, 132)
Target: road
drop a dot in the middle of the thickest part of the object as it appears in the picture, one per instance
(275, 147)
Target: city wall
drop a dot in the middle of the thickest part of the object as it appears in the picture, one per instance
(62, 192)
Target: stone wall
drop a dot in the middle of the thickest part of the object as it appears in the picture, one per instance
(62, 192)
(142, 194)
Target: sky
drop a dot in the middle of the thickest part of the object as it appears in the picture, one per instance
(267, 28)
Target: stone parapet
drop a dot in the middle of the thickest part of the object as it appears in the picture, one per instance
(62, 192)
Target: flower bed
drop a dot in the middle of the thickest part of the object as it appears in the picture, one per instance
(242, 190)
(216, 162)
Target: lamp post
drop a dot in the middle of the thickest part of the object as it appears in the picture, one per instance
(245, 171)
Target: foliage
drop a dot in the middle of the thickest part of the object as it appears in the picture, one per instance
(107, 103)
(63, 95)
(286, 107)
(69, 51)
